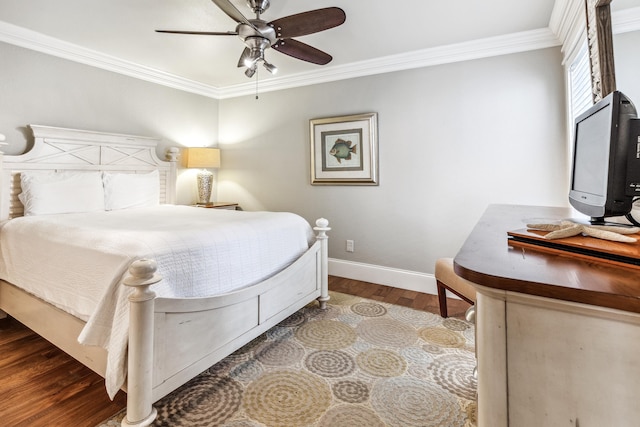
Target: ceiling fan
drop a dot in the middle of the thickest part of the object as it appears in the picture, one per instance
(259, 35)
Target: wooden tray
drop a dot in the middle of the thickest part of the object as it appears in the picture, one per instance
(585, 247)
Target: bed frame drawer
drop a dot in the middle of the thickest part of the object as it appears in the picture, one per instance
(289, 290)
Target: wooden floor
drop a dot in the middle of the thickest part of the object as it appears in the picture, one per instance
(413, 299)
(42, 386)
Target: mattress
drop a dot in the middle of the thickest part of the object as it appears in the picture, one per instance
(77, 262)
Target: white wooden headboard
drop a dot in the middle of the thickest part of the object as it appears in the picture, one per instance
(72, 149)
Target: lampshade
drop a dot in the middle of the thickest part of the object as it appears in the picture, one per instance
(200, 157)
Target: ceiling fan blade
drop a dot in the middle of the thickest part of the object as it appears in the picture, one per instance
(309, 22)
(201, 33)
(232, 11)
(302, 51)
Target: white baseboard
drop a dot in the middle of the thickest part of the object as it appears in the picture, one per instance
(403, 279)
(397, 278)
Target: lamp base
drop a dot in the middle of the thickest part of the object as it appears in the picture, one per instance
(205, 185)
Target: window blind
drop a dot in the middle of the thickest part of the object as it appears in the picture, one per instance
(580, 82)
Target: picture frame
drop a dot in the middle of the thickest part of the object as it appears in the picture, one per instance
(344, 150)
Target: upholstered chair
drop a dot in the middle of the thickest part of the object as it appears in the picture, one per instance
(448, 280)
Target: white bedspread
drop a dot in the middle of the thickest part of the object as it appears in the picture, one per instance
(78, 261)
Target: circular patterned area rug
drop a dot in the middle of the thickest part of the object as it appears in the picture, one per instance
(358, 363)
(287, 398)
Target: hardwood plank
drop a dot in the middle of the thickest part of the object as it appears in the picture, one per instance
(43, 386)
(391, 295)
(31, 366)
(407, 302)
(32, 341)
(422, 300)
(83, 404)
(51, 387)
(83, 410)
(10, 331)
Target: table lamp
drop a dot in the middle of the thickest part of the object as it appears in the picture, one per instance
(203, 158)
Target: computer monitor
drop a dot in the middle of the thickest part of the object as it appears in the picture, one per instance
(605, 176)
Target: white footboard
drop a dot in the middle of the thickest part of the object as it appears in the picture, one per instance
(173, 340)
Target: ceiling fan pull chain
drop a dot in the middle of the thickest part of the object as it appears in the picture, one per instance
(256, 84)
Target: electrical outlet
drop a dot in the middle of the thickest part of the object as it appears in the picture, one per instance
(350, 247)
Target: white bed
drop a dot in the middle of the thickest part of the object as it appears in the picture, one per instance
(185, 329)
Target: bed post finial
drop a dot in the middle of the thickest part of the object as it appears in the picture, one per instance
(322, 226)
(140, 411)
(172, 154)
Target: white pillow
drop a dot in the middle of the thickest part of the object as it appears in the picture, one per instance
(131, 190)
(61, 192)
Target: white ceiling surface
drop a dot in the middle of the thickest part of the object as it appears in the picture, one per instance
(121, 32)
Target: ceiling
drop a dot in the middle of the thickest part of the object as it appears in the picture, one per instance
(122, 32)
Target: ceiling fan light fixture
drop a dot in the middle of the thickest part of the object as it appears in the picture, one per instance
(270, 68)
(251, 71)
(255, 55)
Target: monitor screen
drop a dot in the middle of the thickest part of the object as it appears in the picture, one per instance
(592, 153)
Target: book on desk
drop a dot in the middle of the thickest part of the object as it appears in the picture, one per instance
(585, 247)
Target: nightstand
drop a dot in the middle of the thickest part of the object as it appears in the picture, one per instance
(219, 205)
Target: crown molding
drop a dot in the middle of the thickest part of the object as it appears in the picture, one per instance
(568, 24)
(476, 49)
(567, 18)
(564, 21)
(33, 40)
(626, 21)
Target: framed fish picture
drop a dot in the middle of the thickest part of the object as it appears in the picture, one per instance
(344, 150)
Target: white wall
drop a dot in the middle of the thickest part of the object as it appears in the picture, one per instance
(626, 53)
(41, 89)
(452, 139)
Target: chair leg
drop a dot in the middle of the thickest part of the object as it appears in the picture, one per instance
(442, 298)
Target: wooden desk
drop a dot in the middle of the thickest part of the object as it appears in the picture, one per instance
(558, 338)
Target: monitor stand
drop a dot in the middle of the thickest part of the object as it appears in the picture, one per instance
(602, 221)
